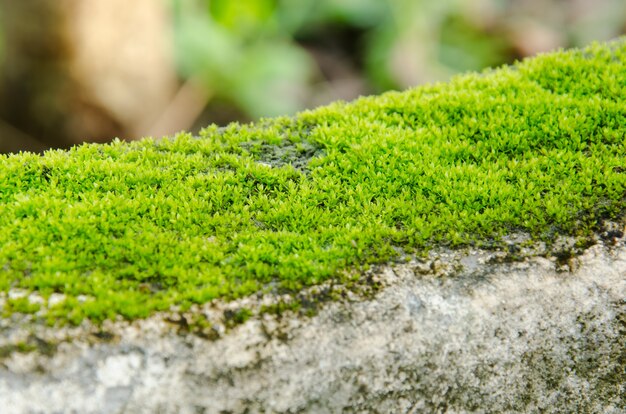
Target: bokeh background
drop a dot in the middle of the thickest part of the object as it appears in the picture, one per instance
(90, 70)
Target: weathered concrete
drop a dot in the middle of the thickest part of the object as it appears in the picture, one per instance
(459, 332)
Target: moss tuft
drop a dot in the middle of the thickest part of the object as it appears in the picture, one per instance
(133, 228)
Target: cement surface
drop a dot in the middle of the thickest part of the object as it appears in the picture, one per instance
(457, 332)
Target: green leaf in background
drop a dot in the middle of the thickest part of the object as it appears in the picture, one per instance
(464, 47)
(244, 18)
(272, 79)
(233, 49)
(360, 13)
(203, 48)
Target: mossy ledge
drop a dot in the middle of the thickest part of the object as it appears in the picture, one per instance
(128, 229)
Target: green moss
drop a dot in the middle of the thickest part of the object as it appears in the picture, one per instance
(20, 305)
(131, 228)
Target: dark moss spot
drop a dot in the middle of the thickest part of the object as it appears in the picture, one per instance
(237, 316)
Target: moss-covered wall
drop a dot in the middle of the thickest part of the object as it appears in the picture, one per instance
(131, 228)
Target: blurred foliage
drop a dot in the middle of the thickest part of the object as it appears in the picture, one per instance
(241, 52)
(262, 55)
(242, 60)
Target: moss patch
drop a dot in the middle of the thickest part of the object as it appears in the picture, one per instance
(131, 228)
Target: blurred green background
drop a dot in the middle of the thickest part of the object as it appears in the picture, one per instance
(77, 70)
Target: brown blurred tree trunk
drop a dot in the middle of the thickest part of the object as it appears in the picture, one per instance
(82, 70)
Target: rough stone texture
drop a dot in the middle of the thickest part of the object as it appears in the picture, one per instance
(458, 332)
